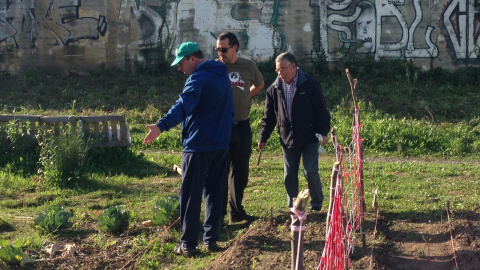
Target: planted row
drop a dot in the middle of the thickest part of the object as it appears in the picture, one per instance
(115, 219)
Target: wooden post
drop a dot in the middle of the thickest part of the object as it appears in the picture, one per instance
(333, 180)
(298, 224)
(358, 152)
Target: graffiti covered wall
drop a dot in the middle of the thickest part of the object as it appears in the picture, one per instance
(80, 35)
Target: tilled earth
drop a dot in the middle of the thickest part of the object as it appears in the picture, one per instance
(265, 244)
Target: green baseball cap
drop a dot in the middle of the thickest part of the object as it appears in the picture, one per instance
(183, 49)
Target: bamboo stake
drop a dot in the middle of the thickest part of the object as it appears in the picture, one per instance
(333, 178)
(298, 224)
(451, 235)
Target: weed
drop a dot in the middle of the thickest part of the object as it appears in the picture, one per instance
(64, 159)
(103, 241)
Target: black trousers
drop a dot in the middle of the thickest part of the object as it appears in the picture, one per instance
(240, 152)
(203, 175)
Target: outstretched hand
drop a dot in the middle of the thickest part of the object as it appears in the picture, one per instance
(152, 134)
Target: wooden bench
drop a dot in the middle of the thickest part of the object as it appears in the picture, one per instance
(109, 130)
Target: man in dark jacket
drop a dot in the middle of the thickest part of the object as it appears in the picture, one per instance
(296, 103)
(205, 109)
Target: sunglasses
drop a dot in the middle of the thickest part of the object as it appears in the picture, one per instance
(222, 50)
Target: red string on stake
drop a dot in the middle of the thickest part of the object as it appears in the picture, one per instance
(348, 205)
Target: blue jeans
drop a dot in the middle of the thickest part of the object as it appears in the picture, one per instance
(291, 163)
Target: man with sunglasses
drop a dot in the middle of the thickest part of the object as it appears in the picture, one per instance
(296, 104)
(205, 109)
(246, 81)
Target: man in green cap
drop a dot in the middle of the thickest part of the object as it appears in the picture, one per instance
(205, 109)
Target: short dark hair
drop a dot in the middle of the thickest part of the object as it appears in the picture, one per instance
(289, 57)
(232, 38)
(198, 54)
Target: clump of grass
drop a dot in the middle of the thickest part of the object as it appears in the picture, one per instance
(386, 133)
(64, 159)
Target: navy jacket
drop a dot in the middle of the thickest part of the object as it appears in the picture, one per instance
(309, 113)
(205, 109)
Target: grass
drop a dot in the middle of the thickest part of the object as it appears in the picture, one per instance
(421, 151)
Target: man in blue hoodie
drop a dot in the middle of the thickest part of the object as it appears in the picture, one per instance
(205, 109)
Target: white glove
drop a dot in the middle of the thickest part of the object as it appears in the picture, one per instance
(321, 150)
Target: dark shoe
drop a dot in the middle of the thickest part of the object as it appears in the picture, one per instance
(180, 249)
(212, 247)
(315, 208)
(242, 217)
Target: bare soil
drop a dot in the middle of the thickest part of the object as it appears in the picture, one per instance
(391, 243)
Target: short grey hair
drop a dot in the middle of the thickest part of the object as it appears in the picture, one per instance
(289, 57)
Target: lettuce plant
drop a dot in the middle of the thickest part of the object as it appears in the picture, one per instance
(165, 209)
(115, 219)
(14, 255)
(53, 219)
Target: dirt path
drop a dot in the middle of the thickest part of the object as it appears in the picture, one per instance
(398, 245)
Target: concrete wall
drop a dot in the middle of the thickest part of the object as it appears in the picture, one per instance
(81, 35)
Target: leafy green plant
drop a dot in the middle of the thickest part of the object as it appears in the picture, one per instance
(14, 255)
(165, 209)
(115, 219)
(18, 149)
(53, 219)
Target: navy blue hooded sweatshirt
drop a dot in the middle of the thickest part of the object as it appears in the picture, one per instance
(205, 109)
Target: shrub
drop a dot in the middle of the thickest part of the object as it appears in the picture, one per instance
(115, 219)
(53, 219)
(19, 150)
(64, 159)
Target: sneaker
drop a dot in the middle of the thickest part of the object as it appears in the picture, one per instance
(316, 208)
(212, 247)
(180, 249)
(242, 217)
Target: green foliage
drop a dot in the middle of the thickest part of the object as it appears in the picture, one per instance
(388, 134)
(14, 255)
(18, 149)
(267, 69)
(320, 66)
(53, 219)
(115, 219)
(165, 209)
(64, 159)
